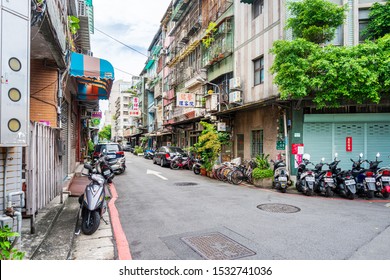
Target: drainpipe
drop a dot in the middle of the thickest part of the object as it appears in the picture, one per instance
(5, 178)
(18, 214)
(286, 144)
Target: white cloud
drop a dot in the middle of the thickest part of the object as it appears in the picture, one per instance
(134, 23)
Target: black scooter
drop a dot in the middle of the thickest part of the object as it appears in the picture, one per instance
(281, 176)
(305, 177)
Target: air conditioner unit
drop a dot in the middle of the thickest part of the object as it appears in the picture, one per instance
(235, 97)
(235, 83)
(163, 52)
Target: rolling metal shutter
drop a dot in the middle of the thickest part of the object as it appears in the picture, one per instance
(324, 135)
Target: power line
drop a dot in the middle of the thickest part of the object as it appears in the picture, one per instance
(120, 42)
(125, 72)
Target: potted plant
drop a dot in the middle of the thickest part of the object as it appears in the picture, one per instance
(262, 174)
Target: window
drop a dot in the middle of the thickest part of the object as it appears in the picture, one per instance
(257, 8)
(240, 145)
(363, 23)
(258, 71)
(257, 143)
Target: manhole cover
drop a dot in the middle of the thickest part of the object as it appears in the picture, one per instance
(186, 184)
(216, 246)
(278, 208)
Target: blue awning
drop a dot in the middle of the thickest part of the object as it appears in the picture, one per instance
(94, 76)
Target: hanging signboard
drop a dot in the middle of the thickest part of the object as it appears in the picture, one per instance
(185, 99)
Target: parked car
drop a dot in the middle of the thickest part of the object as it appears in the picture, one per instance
(164, 154)
(113, 151)
(127, 147)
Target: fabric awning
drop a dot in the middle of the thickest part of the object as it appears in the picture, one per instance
(247, 1)
(94, 76)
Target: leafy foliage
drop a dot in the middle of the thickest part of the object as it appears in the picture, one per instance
(262, 162)
(208, 145)
(7, 252)
(379, 23)
(315, 20)
(105, 132)
(209, 38)
(332, 75)
(73, 24)
(91, 146)
(258, 173)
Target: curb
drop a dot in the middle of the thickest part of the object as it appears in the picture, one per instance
(119, 235)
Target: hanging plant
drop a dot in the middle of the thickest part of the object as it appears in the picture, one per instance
(210, 32)
(73, 24)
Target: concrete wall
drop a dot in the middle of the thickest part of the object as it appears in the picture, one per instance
(263, 118)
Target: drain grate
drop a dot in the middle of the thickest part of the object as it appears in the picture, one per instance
(278, 208)
(216, 246)
(185, 184)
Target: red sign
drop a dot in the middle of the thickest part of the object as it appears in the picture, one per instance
(295, 150)
(348, 144)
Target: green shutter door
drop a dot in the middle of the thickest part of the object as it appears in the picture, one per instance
(317, 139)
(324, 135)
(342, 131)
(378, 140)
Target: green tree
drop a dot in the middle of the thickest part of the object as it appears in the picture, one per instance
(7, 251)
(330, 75)
(105, 133)
(315, 20)
(379, 21)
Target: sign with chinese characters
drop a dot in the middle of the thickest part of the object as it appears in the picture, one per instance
(134, 108)
(96, 115)
(185, 99)
(348, 144)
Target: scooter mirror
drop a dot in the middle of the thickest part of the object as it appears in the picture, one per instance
(361, 154)
(378, 155)
(336, 155)
(306, 156)
(104, 152)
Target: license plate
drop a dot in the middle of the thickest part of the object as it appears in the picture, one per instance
(329, 180)
(349, 182)
(309, 179)
(386, 179)
(106, 172)
(283, 179)
(370, 180)
(112, 156)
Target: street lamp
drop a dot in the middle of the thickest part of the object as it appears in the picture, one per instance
(203, 81)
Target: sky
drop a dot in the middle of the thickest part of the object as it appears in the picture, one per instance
(134, 23)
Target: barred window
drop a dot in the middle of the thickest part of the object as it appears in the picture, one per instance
(257, 143)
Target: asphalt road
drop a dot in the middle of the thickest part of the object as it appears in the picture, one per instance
(161, 214)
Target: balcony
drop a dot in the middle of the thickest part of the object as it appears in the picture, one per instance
(179, 10)
(85, 15)
(50, 29)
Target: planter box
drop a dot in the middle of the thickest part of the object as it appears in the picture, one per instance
(263, 183)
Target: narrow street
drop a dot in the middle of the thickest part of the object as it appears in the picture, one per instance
(166, 215)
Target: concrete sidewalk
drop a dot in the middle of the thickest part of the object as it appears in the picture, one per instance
(55, 237)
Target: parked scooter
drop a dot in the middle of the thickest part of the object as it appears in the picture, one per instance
(373, 173)
(181, 162)
(149, 154)
(305, 177)
(383, 179)
(93, 202)
(118, 165)
(365, 178)
(325, 183)
(196, 166)
(281, 176)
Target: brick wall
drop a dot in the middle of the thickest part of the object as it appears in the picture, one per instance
(43, 93)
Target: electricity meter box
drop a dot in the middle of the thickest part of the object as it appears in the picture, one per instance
(14, 72)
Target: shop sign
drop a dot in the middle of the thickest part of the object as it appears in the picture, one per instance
(185, 99)
(348, 144)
